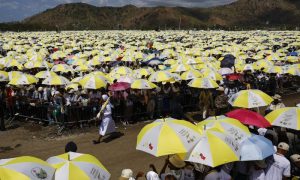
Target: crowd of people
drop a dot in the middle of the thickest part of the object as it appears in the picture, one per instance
(78, 106)
(59, 105)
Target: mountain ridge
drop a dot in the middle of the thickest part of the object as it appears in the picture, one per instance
(242, 13)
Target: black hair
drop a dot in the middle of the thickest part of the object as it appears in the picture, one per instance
(71, 147)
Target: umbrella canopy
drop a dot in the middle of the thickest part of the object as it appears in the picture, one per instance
(250, 99)
(119, 86)
(122, 70)
(213, 149)
(126, 79)
(256, 148)
(249, 118)
(61, 68)
(228, 61)
(191, 74)
(23, 79)
(230, 126)
(161, 76)
(155, 138)
(78, 166)
(203, 83)
(142, 72)
(93, 82)
(3, 76)
(56, 80)
(37, 64)
(288, 117)
(142, 84)
(25, 168)
(45, 74)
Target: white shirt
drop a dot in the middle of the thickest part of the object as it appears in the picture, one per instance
(278, 168)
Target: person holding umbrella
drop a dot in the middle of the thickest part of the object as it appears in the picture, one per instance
(107, 125)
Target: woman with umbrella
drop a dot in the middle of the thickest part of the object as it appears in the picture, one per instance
(107, 125)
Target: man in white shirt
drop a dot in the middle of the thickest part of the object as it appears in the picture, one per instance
(279, 167)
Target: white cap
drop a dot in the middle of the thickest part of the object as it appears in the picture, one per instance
(126, 174)
(283, 146)
(104, 97)
(295, 158)
(262, 131)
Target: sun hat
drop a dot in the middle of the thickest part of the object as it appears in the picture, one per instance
(126, 174)
(295, 158)
(176, 161)
(283, 146)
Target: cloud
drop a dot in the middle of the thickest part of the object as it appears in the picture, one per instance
(12, 10)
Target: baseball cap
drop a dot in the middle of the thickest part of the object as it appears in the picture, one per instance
(283, 146)
(295, 158)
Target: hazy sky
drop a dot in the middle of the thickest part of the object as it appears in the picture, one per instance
(14, 10)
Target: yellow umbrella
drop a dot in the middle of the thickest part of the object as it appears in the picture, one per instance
(61, 68)
(230, 126)
(213, 149)
(203, 83)
(122, 70)
(142, 84)
(161, 76)
(83, 68)
(3, 76)
(23, 79)
(212, 75)
(56, 80)
(250, 99)
(25, 168)
(288, 117)
(180, 68)
(45, 74)
(191, 74)
(73, 165)
(93, 82)
(155, 138)
(37, 64)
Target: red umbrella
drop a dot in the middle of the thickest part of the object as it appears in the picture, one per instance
(119, 86)
(249, 118)
(233, 77)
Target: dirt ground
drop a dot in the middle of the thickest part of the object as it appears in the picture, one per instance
(115, 154)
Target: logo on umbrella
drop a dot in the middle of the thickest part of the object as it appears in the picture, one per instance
(202, 156)
(39, 173)
(150, 146)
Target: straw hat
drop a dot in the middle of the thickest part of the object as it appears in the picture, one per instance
(176, 161)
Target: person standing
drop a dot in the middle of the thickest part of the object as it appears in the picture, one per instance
(107, 125)
(279, 167)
